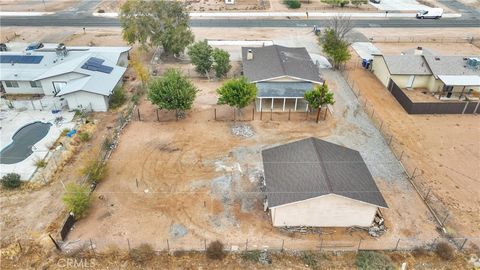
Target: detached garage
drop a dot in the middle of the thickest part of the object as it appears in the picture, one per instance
(316, 183)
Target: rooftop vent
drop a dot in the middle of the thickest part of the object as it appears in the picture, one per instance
(61, 50)
(437, 58)
(250, 54)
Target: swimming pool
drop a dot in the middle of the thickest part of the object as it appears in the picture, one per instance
(22, 142)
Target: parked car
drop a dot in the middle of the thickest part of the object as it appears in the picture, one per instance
(433, 13)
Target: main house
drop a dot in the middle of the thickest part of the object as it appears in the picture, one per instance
(446, 77)
(282, 76)
(316, 183)
(82, 77)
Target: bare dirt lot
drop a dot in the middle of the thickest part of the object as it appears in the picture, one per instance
(35, 5)
(444, 148)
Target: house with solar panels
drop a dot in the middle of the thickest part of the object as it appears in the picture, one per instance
(80, 77)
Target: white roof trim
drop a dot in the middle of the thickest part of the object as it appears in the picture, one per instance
(460, 80)
(329, 194)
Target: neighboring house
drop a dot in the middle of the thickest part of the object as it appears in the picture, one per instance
(282, 75)
(316, 183)
(82, 77)
(445, 76)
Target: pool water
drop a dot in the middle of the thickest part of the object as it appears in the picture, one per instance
(22, 142)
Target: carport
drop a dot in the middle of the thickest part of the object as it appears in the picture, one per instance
(453, 83)
(286, 93)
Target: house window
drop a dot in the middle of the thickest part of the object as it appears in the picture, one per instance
(35, 84)
(12, 84)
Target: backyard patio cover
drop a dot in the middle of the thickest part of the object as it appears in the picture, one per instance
(283, 89)
(460, 80)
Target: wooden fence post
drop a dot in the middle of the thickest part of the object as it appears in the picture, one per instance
(261, 113)
(54, 242)
(168, 246)
(205, 244)
(359, 242)
(138, 112)
(215, 114)
(253, 114)
(246, 245)
(158, 118)
(128, 242)
(271, 114)
(234, 114)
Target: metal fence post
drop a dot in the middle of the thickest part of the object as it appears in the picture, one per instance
(128, 241)
(359, 242)
(463, 244)
(396, 246)
(283, 243)
(168, 246)
(271, 114)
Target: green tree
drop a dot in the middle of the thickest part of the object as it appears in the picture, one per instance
(335, 48)
(117, 98)
(340, 3)
(201, 55)
(173, 91)
(237, 93)
(77, 199)
(319, 96)
(156, 23)
(221, 64)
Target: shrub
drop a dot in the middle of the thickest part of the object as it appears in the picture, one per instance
(117, 98)
(368, 260)
(107, 143)
(215, 251)
(41, 163)
(445, 251)
(142, 253)
(419, 252)
(309, 259)
(136, 98)
(94, 169)
(251, 255)
(294, 4)
(84, 136)
(77, 199)
(11, 181)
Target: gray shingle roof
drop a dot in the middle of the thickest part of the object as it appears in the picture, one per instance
(449, 65)
(407, 65)
(283, 89)
(276, 61)
(311, 168)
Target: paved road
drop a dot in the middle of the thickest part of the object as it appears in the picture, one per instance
(91, 21)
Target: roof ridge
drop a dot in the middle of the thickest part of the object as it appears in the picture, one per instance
(281, 61)
(322, 164)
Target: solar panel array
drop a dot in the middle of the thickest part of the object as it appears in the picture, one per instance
(96, 64)
(21, 59)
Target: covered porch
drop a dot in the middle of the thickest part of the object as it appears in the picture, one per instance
(460, 87)
(282, 96)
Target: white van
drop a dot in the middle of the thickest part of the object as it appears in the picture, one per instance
(432, 13)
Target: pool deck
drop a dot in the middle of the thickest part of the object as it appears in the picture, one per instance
(11, 121)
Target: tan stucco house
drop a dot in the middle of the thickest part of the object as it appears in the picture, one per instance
(316, 183)
(282, 76)
(442, 75)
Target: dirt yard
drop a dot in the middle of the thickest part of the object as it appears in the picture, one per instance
(444, 148)
(38, 6)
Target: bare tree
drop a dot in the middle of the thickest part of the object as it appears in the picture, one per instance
(341, 26)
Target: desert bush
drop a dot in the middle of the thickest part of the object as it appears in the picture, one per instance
(41, 163)
(107, 143)
(77, 199)
(419, 252)
(309, 259)
(94, 169)
(11, 181)
(136, 98)
(215, 250)
(142, 253)
(369, 260)
(117, 98)
(250, 255)
(445, 251)
(293, 4)
(64, 132)
(84, 136)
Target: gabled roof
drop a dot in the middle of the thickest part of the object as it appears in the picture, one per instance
(276, 61)
(311, 168)
(406, 65)
(449, 65)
